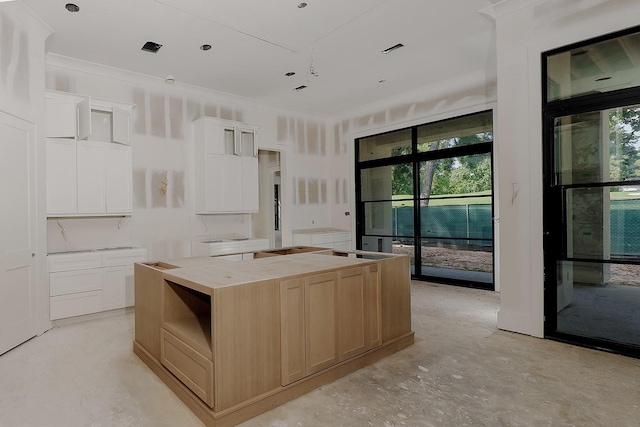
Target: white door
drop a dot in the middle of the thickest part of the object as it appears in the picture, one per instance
(18, 281)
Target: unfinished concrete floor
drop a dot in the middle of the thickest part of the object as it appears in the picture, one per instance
(460, 372)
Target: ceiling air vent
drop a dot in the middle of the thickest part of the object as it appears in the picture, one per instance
(299, 88)
(152, 47)
(392, 48)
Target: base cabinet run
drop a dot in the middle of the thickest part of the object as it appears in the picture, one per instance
(236, 338)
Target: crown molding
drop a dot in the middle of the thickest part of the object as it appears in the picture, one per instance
(505, 7)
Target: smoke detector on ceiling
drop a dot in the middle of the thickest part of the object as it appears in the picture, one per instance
(152, 47)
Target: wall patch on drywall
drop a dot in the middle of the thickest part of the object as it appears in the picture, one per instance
(302, 191)
(176, 120)
(345, 191)
(139, 188)
(300, 136)
(323, 140)
(211, 110)
(323, 191)
(313, 147)
(7, 29)
(313, 191)
(140, 112)
(399, 113)
(157, 113)
(282, 132)
(177, 185)
(158, 189)
(226, 113)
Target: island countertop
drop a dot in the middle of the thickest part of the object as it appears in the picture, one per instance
(205, 274)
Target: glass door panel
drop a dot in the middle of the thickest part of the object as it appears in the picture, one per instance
(596, 177)
(456, 218)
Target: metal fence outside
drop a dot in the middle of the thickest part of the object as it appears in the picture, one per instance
(457, 224)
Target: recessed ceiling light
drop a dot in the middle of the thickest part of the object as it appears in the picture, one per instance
(152, 47)
(302, 5)
(392, 48)
(169, 79)
(290, 73)
(205, 47)
(72, 7)
(299, 88)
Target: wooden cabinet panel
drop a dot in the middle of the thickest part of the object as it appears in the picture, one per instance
(246, 322)
(351, 312)
(372, 304)
(292, 329)
(320, 321)
(192, 368)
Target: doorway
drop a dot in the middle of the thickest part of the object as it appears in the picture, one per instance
(267, 222)
(592, 193)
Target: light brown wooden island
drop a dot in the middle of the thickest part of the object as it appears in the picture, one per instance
(234, 339)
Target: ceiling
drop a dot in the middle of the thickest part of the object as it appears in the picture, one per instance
(333, 46)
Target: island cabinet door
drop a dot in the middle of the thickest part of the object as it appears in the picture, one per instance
(351, 312)
(320, 321)
(373, 307)
(292, 330)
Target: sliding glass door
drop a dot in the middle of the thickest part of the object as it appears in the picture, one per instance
(426, 191)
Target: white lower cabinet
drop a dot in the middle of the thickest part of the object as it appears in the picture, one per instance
(118, 287)
(92, 281)
(323, 237)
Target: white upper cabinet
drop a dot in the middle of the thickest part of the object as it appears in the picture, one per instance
(121, 126)
(68, 115)
(81, 117)
(62, 190)
(91, 177)
(91, 164)
(225, 166)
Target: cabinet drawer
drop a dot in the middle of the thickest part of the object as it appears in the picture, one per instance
(324, 238)
(192, 368)
(69, 282)
(73, 261)
(255, 245)
(75, 304)
(113, 258)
